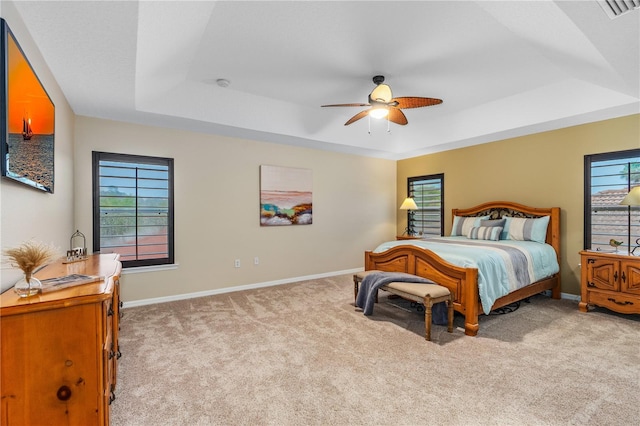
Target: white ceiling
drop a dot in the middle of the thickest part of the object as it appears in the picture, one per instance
(502, 68)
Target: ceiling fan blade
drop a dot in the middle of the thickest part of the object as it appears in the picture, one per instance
(415, 102)
(382, 93)
(397, 116)
(357, 117)
(346, 105)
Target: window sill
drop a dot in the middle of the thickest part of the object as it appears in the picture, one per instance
(154, 268)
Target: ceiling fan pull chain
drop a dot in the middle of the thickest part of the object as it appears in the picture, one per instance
(388, 126)
(369, 117)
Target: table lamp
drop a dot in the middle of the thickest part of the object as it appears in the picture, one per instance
(410, 205)
(632, 199)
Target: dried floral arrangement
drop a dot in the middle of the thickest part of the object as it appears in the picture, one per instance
(29, 256)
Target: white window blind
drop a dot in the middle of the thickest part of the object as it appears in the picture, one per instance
(608, 178)
(428, 193)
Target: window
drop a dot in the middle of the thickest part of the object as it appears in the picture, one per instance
(428, 193)
(133, 208)
(608, 178)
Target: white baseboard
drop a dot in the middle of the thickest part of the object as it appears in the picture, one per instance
(568, 296)
(185, 296)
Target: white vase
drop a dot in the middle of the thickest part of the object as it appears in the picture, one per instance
(26, 288)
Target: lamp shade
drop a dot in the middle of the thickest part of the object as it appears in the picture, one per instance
(409, 204)
(631, 199)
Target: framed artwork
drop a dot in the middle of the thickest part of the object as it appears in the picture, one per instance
(27, 119)
(285, 196)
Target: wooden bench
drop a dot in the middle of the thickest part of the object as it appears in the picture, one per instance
(427, 294)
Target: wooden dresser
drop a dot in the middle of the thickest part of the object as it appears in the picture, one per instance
(611, 281)
(59, 349)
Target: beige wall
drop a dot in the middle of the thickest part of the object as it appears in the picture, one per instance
(217, 208)
(26, 213)
(540, 170)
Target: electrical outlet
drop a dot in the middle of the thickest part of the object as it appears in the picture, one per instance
(256, 260)
(237, 263)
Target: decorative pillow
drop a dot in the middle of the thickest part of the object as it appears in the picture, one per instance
(485, 233)
(463, 224)
(528, 229)
(505, 229)
(493, 222)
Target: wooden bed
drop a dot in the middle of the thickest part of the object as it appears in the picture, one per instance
(463, 282)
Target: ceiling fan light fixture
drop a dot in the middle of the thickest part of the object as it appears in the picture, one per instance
(379, 112)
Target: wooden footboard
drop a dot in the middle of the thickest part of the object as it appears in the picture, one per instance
(463, 282)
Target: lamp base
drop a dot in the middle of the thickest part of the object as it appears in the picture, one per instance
(409, 231)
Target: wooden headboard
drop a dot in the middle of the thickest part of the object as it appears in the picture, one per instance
(498, 209)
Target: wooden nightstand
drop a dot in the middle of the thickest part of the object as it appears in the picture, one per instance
(408, 237)
(610, 280)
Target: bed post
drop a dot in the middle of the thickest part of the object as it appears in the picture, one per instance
(553, 238)
(471, 302)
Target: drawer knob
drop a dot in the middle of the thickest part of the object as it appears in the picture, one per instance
(64, 393)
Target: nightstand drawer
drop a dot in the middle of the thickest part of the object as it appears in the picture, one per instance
(619, 302)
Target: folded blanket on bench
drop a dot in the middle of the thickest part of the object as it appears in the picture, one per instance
(372, 282)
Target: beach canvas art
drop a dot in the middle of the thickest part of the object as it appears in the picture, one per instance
(28, 120)
(285, 196)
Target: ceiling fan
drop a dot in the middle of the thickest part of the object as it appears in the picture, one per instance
(383, 104)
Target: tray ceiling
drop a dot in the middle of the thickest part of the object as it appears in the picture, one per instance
(503, 68)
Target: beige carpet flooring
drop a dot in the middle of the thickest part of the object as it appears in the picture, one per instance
(302, 354)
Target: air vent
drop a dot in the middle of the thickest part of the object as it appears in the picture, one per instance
(615, 8)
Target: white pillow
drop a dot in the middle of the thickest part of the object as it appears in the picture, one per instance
(522, 229)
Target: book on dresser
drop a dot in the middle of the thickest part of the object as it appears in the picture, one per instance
(66, 281)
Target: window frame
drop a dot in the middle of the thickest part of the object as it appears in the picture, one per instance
(411, 221)
(97, 157)
(589, 160)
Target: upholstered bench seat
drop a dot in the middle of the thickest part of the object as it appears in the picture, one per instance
(427, 294)
(418, 291)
